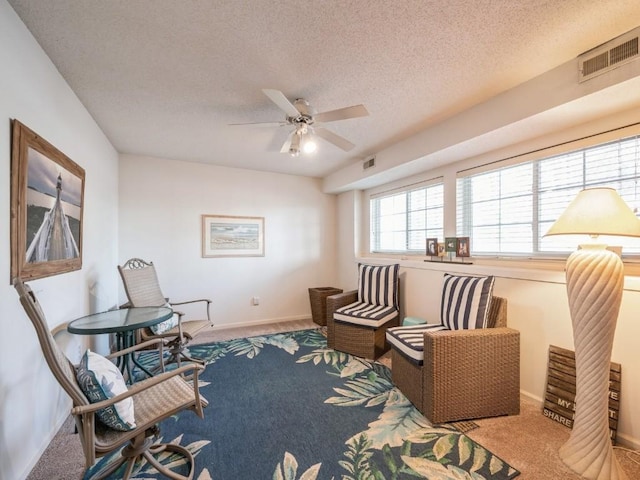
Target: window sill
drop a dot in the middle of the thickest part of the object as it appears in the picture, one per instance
(539, 270)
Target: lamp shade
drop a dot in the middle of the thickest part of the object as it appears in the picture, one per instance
(597, 211)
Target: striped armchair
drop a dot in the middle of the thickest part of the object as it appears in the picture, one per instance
(358, 320)
(468, 365)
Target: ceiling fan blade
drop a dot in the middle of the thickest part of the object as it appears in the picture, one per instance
(260, 124)
(287, 144)
(341, 114)
(281, 101)
(334, 138)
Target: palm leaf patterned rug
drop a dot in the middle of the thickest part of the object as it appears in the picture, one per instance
(286, 407)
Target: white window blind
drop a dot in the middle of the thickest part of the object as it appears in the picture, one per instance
(507, 211)
(402, 220)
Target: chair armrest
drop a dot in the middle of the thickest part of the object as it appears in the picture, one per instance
(497, 312)
(334, 302)
(339, 300)
(208, 302)
(471, 373)
(140, 387)
(451, 345)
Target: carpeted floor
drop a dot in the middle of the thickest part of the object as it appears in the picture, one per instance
(529, 441)
(286, 399)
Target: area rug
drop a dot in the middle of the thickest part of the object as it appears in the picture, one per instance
(286, 407)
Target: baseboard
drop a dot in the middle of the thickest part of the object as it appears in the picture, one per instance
(536, 399)
(626, 441)
(253, 323)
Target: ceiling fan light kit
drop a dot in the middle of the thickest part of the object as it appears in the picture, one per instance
(301, 115)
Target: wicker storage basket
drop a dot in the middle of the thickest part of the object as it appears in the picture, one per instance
(318, 298)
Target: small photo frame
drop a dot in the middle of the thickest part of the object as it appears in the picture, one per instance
(463, 248)
(441, 250)
(451, 244)
(432, 247)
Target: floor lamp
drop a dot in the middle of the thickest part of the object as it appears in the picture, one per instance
(595, 280)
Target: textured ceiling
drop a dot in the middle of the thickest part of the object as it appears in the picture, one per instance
(165, 78)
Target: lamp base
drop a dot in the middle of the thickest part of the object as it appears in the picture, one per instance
(595, 279)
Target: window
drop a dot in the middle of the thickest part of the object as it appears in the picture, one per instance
(507, 211)
(401, 221)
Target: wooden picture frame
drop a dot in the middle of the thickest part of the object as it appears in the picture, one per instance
(47, 199)
(432, 247)
(450, 244)
(229, 236)
(463, 248)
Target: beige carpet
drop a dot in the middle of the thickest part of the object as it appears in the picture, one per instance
(528, 442)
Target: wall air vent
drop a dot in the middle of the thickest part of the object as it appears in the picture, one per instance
(369, 162)
(608, 56)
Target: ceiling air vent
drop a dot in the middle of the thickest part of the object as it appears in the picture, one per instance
(369, 162)
(609, 55)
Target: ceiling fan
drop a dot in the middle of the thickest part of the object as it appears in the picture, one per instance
(305, 122)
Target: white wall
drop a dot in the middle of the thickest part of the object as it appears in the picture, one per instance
(32, 406)
(161, 203)
(350, 208)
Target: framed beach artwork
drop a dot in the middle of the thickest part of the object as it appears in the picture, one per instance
(227, 236)
(47, 196)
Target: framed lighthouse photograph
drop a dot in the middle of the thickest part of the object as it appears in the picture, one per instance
(47, 194)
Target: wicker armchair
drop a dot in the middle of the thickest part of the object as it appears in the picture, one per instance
(154, 399)
(143, 290)
(358, 320)
(465, 374)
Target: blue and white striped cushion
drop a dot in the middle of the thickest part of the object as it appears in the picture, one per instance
(410, 340)
(465, 301)
(378, 284)
(366, 314)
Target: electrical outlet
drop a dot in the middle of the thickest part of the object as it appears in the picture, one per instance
(255, 301)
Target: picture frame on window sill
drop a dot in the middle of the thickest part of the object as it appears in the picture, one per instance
(451, 244)
(432, 247)
(232, 236)
(463, 247)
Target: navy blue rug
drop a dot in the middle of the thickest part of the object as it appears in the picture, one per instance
(285, 407)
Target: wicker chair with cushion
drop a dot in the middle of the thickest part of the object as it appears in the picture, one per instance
(143, 290)
(108, 415)
(468, 365)
(357, 320)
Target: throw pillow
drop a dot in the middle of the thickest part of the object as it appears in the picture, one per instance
(100, 379)
(465, 301)
(162, 327)
(377, 284)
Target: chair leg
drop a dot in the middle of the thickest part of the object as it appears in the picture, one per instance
(179, 353)
(189, 358)
(143, 446)
(159, 448)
